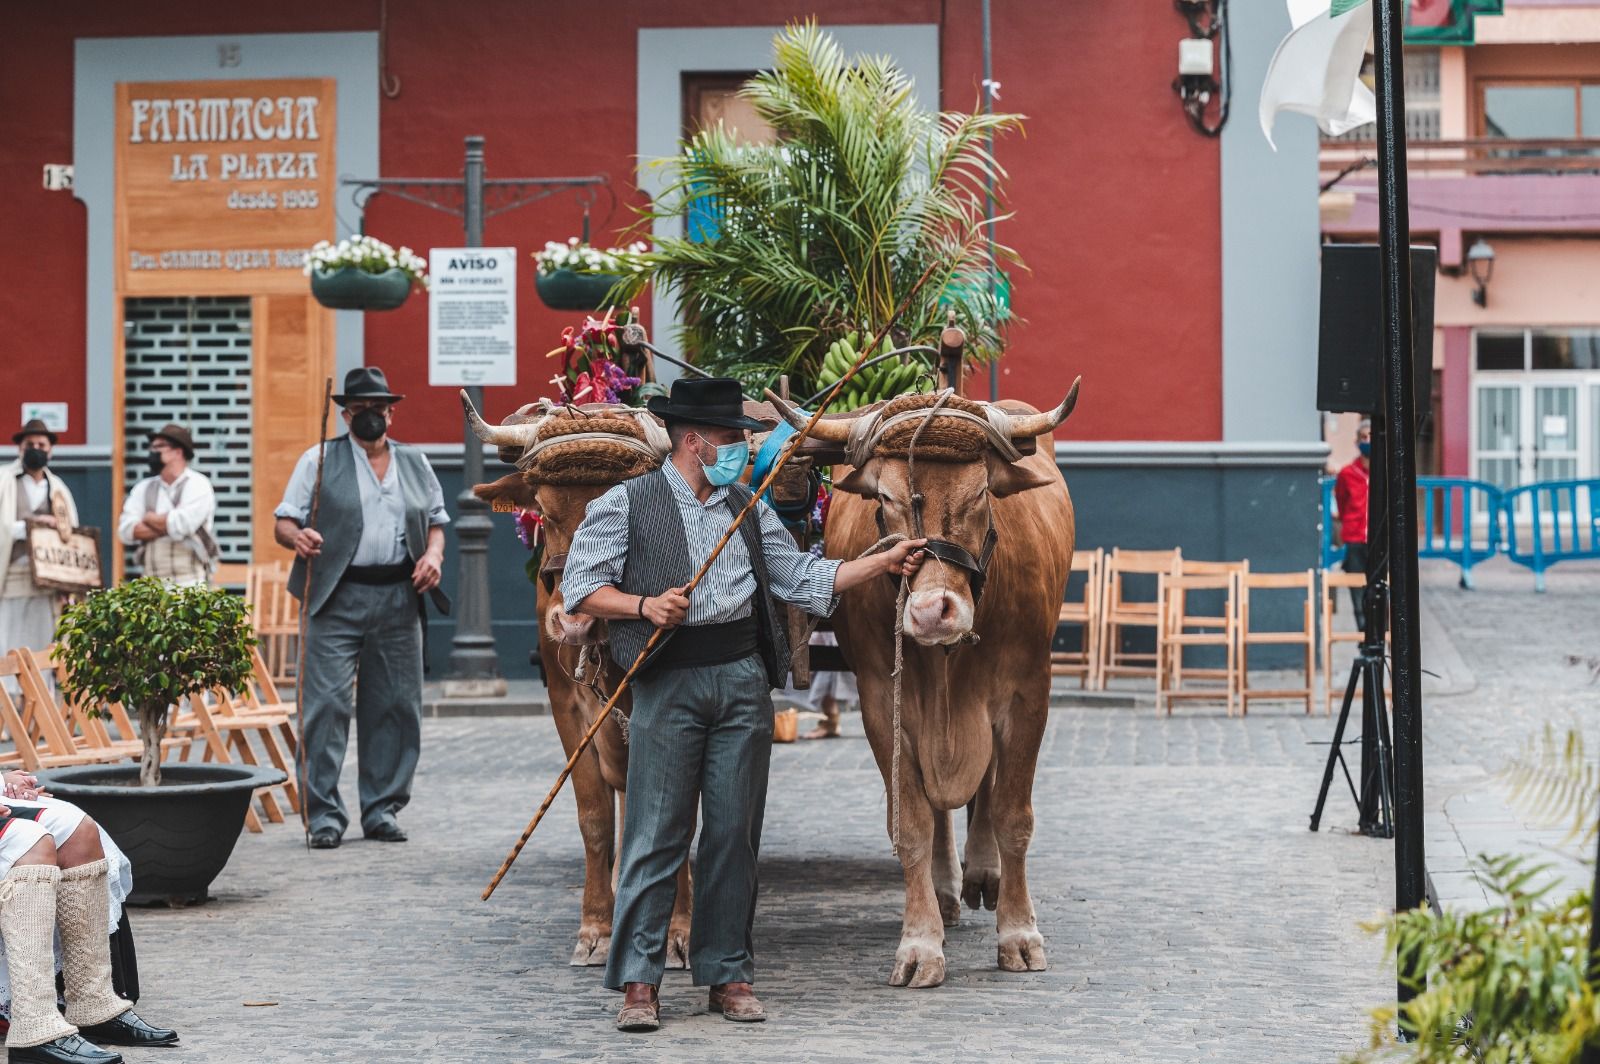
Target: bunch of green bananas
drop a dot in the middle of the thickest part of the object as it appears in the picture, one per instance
(884, 380)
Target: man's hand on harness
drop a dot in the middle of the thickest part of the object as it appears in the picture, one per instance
(904, 559)
(668, 609)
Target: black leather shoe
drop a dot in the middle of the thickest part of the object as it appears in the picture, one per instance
(325, 839)
(388, 831)
(129, 1030)
(69, 1050)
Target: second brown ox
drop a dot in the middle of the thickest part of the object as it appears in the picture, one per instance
(978, 622)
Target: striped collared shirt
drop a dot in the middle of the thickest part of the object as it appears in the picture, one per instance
(600, 546)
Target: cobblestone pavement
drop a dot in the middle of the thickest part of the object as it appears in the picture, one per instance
(1190, 916)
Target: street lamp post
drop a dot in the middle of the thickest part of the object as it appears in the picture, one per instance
(474, 667)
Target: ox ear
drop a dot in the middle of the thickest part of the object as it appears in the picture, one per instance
(510, 492)
(1008, 478)
(862, 480)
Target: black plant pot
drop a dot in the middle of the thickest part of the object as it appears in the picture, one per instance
(349, 288)
(570, 290)
(178, 835)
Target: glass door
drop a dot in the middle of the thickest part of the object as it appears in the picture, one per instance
(1555, 432)
(1498, 435)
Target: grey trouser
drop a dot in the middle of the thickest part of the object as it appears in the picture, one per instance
(369, 637)
(704, 732)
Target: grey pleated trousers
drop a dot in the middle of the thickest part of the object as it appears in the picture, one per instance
(695, 733)
(370, 633)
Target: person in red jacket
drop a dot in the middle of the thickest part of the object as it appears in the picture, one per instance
(1351, 491)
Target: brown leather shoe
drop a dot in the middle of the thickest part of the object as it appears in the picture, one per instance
(641, 1010)
(737, 1002)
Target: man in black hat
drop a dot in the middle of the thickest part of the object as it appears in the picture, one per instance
(360, 574)
(702, 709)
(168, 515)
(30, 495)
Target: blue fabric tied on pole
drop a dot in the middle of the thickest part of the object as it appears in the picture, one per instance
(766, 458)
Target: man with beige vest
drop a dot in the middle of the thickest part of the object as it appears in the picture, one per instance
(29, 495)
(168, 515)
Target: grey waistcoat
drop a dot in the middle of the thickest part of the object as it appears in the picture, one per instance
(339, 520)
(658, 558)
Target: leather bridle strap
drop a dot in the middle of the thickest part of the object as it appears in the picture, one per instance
(977, 566)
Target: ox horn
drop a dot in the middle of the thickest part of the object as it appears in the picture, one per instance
(1024, 425)
(835, 431)
(519, 436)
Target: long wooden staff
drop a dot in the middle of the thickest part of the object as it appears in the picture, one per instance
(301, 755)
(755, 497)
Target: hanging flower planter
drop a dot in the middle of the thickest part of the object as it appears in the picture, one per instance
(575, 276)
(362, 273)
(571, 290)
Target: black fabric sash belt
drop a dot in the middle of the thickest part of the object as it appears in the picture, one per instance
(399, 572)
(692, 646)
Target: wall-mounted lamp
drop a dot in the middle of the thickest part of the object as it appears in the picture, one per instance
(1197, 83)
(1480, 263)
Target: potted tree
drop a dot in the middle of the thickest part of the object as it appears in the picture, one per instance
(363, 273)
(576, 276)
(150, 645)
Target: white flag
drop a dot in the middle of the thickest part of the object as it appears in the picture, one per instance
(1316, 71)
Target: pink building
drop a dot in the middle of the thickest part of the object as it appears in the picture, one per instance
(1505, 162)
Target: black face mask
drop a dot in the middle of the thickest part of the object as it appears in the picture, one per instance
(369, 425)
(154, 463)
(34, 459)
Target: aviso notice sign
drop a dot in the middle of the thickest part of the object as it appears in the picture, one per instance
(472, 316)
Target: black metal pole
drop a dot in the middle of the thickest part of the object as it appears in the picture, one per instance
(988, 197)
(1394, 240)
(474, 667)
(1591, 1052)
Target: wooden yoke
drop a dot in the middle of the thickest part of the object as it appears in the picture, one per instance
(952, 345)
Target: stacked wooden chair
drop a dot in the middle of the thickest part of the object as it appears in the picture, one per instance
(1119, 613)
(276, 616)
(1085, 614)
(1302, 586)
(1184, 626)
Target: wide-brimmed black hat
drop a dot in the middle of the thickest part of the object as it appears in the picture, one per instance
(176, 435)
(366, 382)
(34, 428)
(705, 401)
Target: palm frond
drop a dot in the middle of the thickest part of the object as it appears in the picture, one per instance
(1555, 781)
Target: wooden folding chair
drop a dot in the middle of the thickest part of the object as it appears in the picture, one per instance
(56, 724)
(32, 748)
(1305, 637)
(1086, 614)
(276, 616)
(1185, 628)
(1117, 612)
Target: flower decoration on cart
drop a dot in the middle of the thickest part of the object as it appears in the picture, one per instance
(530, 530)
(594, 369)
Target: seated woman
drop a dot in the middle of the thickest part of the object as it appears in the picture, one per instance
(54, 875)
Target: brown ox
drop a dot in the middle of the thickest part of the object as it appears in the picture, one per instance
(558, 480)
(972, 715)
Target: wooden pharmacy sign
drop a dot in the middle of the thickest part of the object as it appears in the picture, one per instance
(222, 186)
(65, 560)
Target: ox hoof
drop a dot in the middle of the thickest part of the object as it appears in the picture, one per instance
(980, 887)
(917, 966)
(1022, 951)
(591, 950)
(950, 909)
(678, 950)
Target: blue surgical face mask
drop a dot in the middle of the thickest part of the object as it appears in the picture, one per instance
(730, 463)
(1365, 447)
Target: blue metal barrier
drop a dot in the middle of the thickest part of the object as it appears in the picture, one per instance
(1460, 521)
(1563, 524)
(1332, 553)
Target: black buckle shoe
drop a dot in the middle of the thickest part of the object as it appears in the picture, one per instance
(388, 831)
(72, 1049)
(129, 1030)
(325, 839)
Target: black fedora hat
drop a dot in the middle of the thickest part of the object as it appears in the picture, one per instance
(366, 382)
(176, 435)
(705, 401)
(34, 428)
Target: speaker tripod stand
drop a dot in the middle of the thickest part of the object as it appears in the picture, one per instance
(1375, 799)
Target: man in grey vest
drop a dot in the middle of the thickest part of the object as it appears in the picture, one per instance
(377, 547)
(168, 515)
(702, 709)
